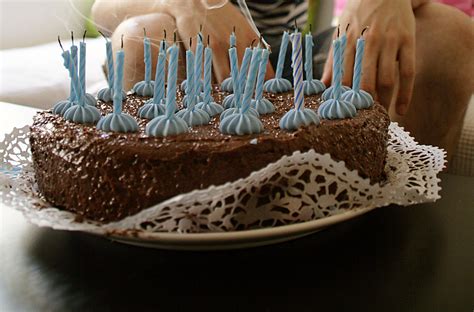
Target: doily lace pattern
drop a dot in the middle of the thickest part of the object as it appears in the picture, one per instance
(297, 188)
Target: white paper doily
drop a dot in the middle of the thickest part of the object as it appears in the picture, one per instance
(297, 194)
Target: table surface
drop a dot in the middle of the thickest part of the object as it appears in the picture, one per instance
(417, 258)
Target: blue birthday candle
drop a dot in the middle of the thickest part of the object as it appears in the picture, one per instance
(207, 74)
(190, 78)
(282, 55)
(172, 80)
(159, 92)
(147, 56)
(252, 75)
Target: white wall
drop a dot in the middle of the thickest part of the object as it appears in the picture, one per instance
(29, 22)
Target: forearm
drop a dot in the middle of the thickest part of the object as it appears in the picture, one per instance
(108, 14)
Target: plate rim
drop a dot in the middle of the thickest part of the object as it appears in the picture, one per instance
(239, 236)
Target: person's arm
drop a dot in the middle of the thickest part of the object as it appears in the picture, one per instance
(389, 58)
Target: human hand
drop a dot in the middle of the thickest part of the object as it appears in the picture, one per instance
(389, 50)
(217, 22)
(217, 17)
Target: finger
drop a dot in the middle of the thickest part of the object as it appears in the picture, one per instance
(220, 60)
(327, 73)
(386, 72)
(270, 72)
(369, 64)
(407, 78)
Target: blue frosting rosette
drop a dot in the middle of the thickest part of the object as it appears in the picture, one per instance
(212, 108)
(84, 114)
(162, 126)
(118, 122)
(241, 123)
(107, 95)
(150, 109)
(295, 118)
(313, 86)
(329, 93)
(337, 109)
(277, 85)
(262, 106)
(194, 116)
(236, 110)
(144, 88)
(62, 106)
(227, 85)
(360, 99)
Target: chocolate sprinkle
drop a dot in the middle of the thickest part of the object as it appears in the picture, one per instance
(108, 176)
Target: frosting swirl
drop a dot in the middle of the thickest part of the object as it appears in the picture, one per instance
(85, 114)
(227, 85)
(62, 106)
(144, 88)
(296, 118)
(229, 101)
(313, 86)
(337, 109)
(212, 108)
(263, 106)
(118, 123)
(236, 110)
(241, 124)
(107, 95)
(329, 92)
(277, 85)
(361, 99)
(151, 110)
(164, 126)
(194, 116)
(89, 99)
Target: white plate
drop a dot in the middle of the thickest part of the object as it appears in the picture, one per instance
(237, 239)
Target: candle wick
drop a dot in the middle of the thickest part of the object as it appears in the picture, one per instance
(164, 30)
(60, 44)
(296, 25)
(338, 31)
(347, 27)
(251, 45)
(200, 27)
(174, 37)
(121, 39)
(190, 42)
(84, 36)
(144, 32)
(363, 31)
(310, 28)
(233, 29)
(72, 37)
(103, 35)
(208, 40)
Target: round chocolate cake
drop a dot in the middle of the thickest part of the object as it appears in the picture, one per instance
(107, 176)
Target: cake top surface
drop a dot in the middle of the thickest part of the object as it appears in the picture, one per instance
(202, 137)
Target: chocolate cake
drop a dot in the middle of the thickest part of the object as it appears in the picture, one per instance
(108, 176)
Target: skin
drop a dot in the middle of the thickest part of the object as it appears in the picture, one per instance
(418, 58)
(185, 17)
(417, 63)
